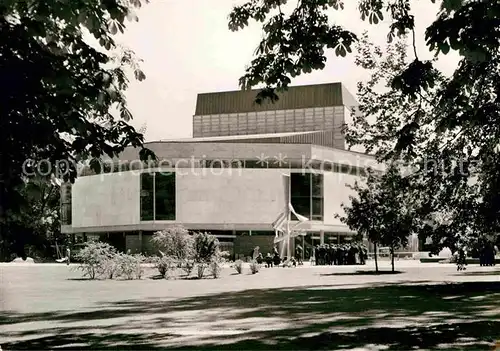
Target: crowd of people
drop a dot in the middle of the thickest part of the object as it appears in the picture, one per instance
(342, 254)
(484, 250)
(325, 254)
(487, 253)
(270, 260)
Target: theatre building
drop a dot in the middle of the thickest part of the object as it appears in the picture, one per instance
(236, 175)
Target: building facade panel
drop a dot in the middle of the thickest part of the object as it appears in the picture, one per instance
(202, 193)
(351, 159)
(234, 196)
(297, 97)
(106, 200)
(336, 193)
(218, 150)
(211, 199)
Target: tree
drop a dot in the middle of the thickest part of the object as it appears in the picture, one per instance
(37, 224)
(63, 92)
(381, 211)
(452, 135)
(206, 249)
(295, 43)
(175, 242)
(361, 215)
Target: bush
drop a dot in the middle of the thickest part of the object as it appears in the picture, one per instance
(129, 266)
(139, 270)
(188, 266)
(217, 263)
(110, 267)
(254, 267)
(238, 265)
(206, 247)
(165, 265)
(175, 242)
(95, 259)
(216, 268)
(206, 251)
(201, 270)
(224, 255)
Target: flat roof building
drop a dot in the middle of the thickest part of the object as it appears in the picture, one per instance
(233, 178)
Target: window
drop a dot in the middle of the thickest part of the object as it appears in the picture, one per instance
(242, 122)
(147, 196)
(66, 204)
(300, 194)
(306, 195)
(316, 197)
(271, 121)
(158, 196)
(165, 196)
(222, 125)
(261, 232)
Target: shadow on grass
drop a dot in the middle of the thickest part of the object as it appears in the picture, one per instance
(480, 273)
(361, 273)
(401, 317)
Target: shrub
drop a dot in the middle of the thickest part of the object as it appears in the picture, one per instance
(110, 267)
(206, 247)
(206, 251)
(238, 265)
(217, 263)
(129, 266)
(139, 271)
(224, 255)
(216, 268)
(188, 266)
(165, 265)
(95, 258)
(175, 242)
(201, 269)
(254, 267)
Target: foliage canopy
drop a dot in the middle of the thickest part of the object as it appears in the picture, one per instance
(65, 98)
(446, 128)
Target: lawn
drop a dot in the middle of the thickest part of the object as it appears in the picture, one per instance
(424, 307)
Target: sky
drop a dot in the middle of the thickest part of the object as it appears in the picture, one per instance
(187, 48)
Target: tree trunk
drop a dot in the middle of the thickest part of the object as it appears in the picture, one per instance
(392, 258)
(376, 262)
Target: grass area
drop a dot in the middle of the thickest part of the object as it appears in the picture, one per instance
(316, 308)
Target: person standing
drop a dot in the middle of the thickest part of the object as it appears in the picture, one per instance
(298, 254)
(255, 253)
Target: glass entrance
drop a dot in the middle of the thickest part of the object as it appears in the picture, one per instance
(308, 242)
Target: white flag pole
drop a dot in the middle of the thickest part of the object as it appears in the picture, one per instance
(288, 219)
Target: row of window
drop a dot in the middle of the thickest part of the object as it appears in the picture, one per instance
(158, 196)
(267, 121)
(270, 128)
(338, 110)
(214, 120)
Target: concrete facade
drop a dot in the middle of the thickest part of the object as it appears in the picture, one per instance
(228, 199)
(217, 198)
(230, 181)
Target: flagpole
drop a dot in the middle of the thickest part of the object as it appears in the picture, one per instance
(288, 219)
